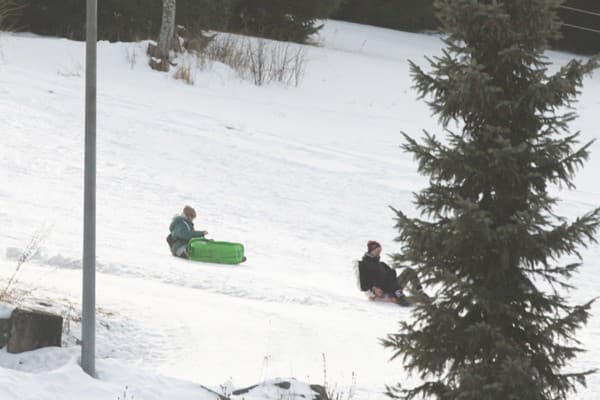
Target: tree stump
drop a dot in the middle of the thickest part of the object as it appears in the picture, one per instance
(32, 330)
(158, 62)
(152, 50)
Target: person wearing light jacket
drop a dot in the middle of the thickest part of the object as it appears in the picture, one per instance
(182, 230)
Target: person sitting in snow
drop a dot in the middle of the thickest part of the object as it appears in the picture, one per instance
(182, 230)
(381, 282)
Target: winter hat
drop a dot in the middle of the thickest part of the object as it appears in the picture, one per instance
(372, 245)
(189, 212)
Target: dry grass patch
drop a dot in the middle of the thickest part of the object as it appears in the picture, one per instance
(184, 73)
(10, 293)
(259, 61)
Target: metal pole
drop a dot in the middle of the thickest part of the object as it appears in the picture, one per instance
(88, 324)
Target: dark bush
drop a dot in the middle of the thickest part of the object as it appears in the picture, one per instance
(406, 15)
(119, 20)
(577, 39)
(289, 20)
(198, 15)
(293, 20)
(418, 15)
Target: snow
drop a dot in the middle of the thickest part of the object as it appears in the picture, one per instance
(302, 176)
(6, 310)
(27, 376)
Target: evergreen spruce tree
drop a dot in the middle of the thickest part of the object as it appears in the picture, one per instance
(500, 326)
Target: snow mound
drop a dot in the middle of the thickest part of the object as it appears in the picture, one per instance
(55, 372)
(6, 310)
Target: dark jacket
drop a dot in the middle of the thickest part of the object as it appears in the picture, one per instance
(374, 272)
(182, 230)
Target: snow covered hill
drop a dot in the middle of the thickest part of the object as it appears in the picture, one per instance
(302, 176)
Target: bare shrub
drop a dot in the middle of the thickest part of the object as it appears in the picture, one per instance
(337, 392)
(276, 62)
(8, 9)
(10, 293)
(195, 43)
(74, 70)
(184, 73)
(69, 315)
(131, 51)
(126, 395)
(259, 61)
(227, 49)
(226, 389)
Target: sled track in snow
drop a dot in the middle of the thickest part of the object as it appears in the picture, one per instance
(208, 281)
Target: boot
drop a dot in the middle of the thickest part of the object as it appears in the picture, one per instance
(401, 299)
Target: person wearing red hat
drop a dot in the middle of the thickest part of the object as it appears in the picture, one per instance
(381, 282)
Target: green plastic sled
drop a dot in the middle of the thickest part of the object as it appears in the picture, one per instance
(215, 252)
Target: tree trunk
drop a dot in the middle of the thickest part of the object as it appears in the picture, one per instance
(167, 29)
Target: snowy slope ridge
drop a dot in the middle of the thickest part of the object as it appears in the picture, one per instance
(303, 177)
(53, 373)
